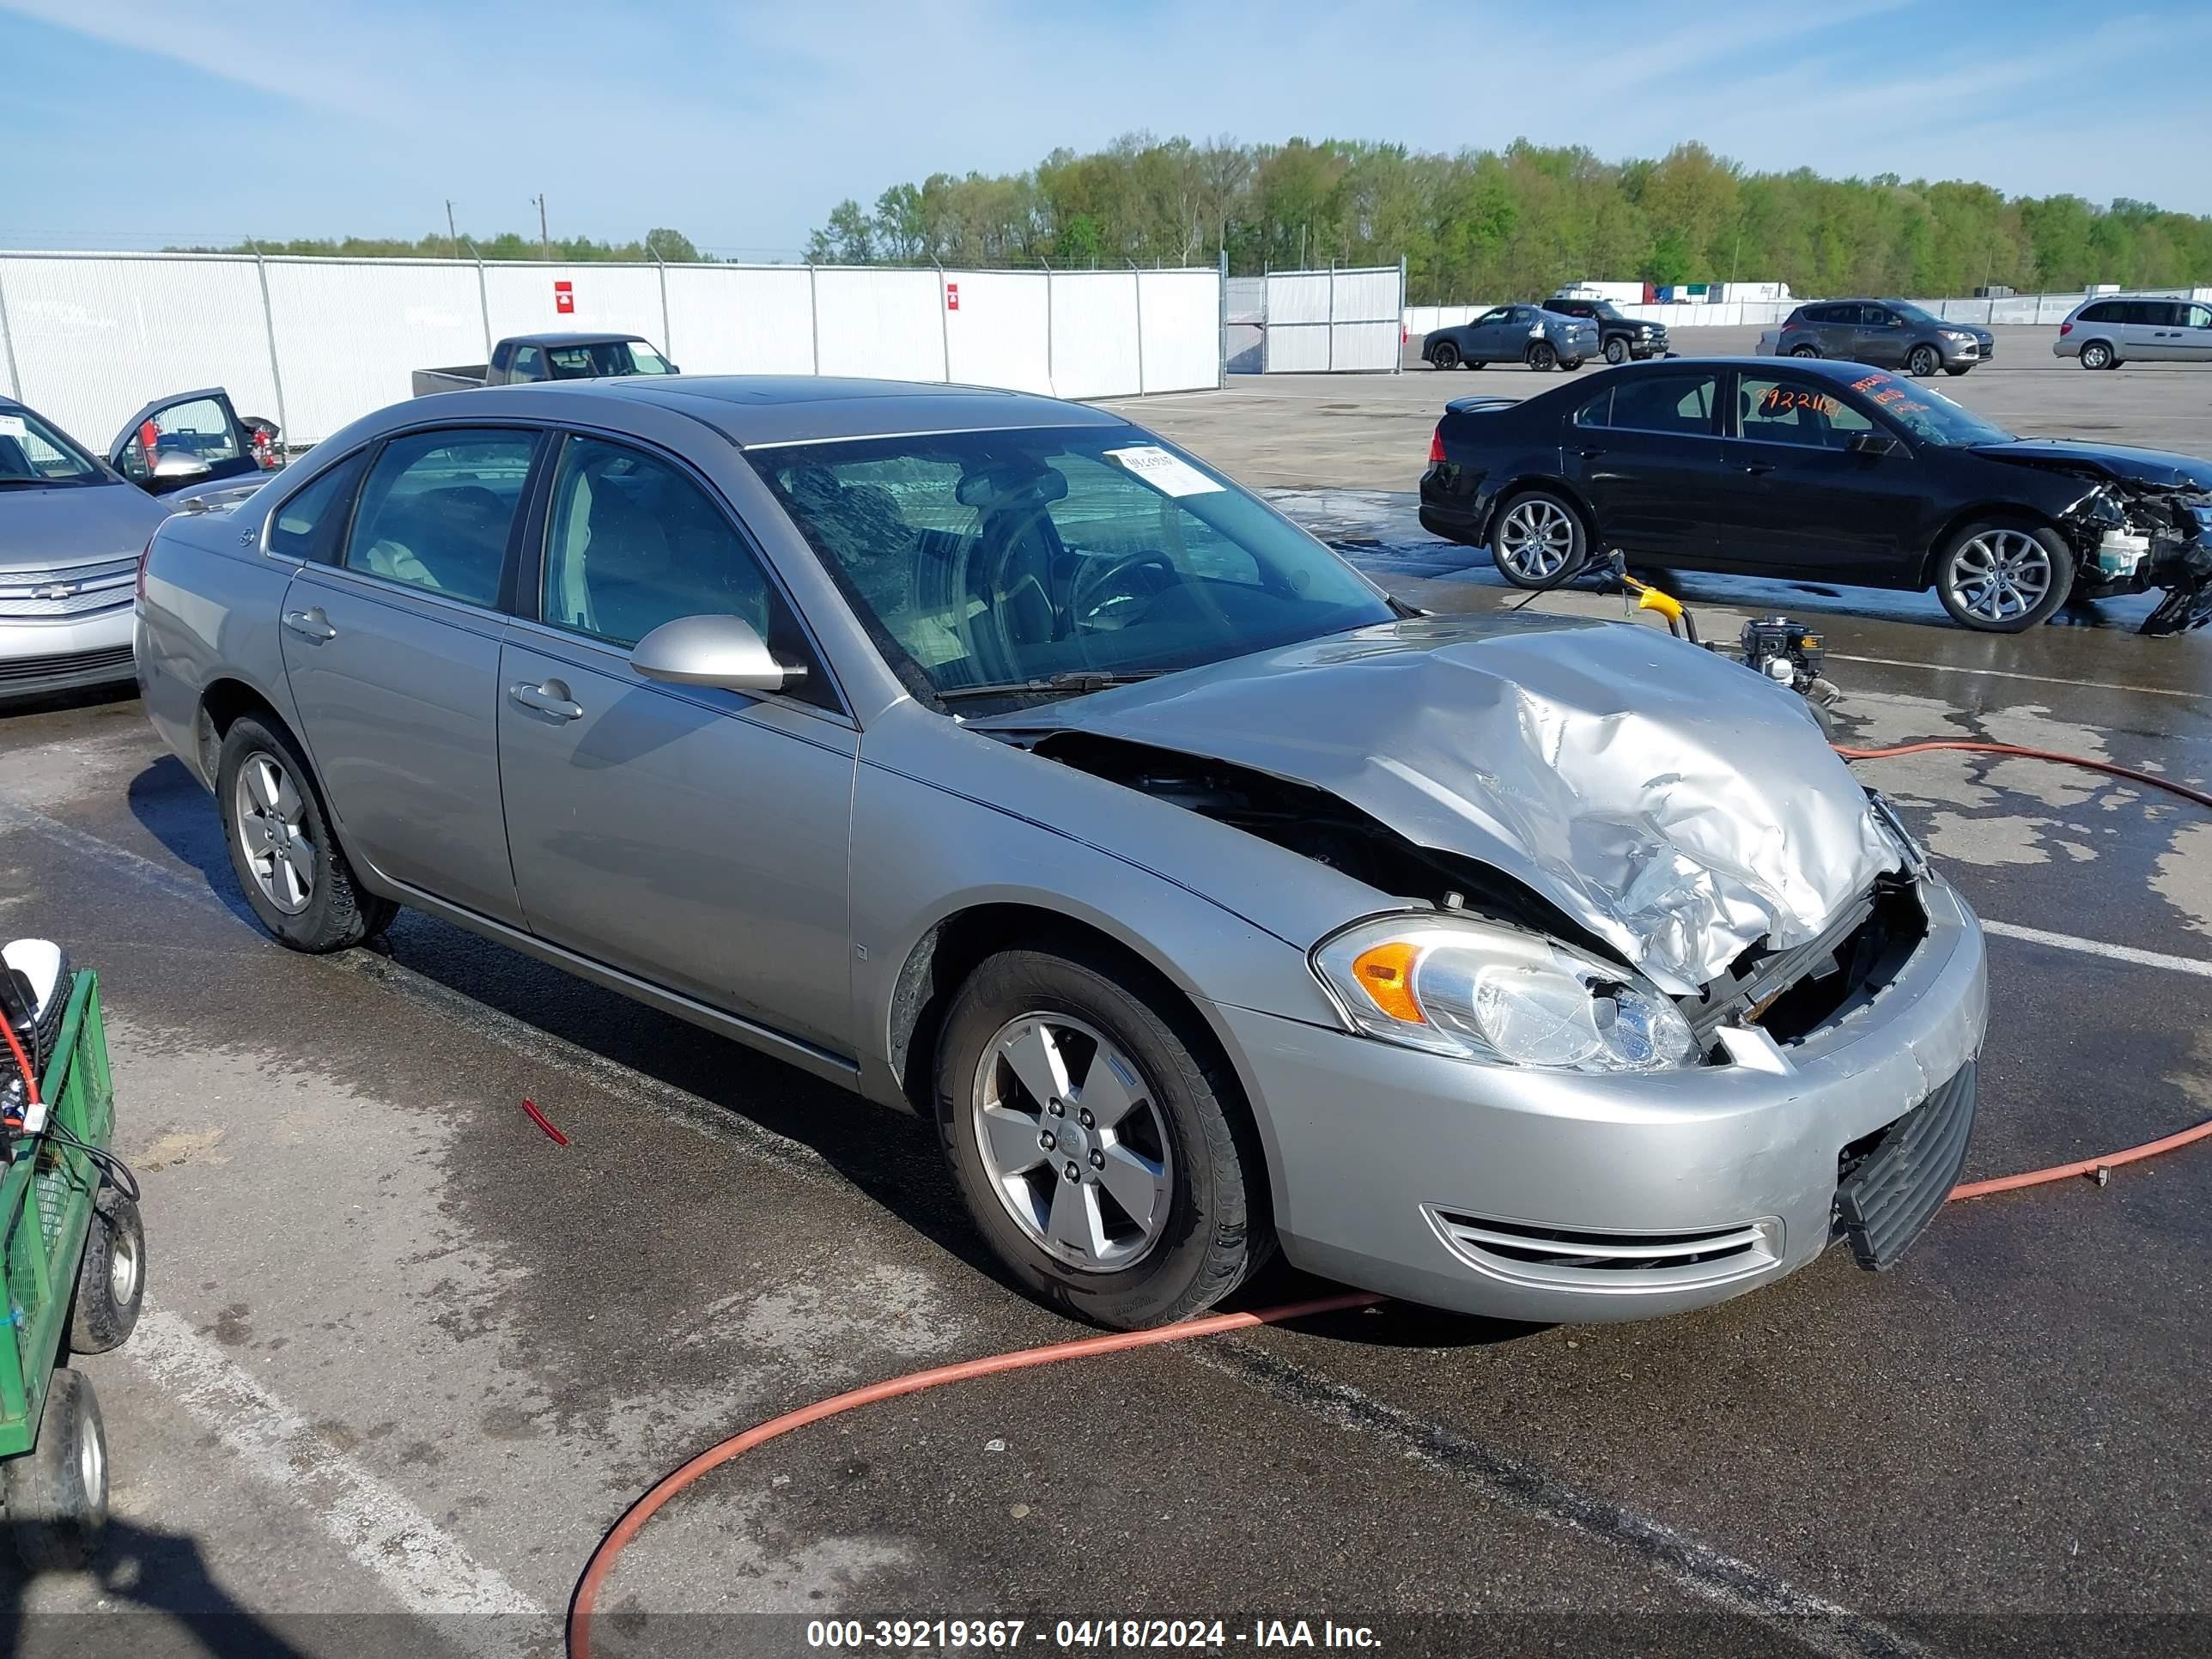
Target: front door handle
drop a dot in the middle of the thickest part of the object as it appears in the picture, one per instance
(550, 698)
(311, 624)
(1758, 469)
(1589, 455)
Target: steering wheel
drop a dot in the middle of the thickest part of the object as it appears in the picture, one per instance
(1094, 591)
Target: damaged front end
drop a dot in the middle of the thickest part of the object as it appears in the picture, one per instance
(2133, 533)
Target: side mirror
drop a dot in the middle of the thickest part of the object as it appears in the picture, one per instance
(1874, 443)
(177, 466)
(717, 651)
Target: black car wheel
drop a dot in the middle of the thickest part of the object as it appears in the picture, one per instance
(1804, 351)
(1572, 364)
(1542, 358)
(2003, 578)
(1955, 370)
(2096, 354)
(1536, 538)
(1922, 360)
(1443, 355)
(1616, 350)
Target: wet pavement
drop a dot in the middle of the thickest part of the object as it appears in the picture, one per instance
(404, 1355)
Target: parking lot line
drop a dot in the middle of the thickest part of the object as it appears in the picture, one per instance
(2012, 674)
(2093, 947)
(424, 1568)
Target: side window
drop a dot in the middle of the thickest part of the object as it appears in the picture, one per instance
(2099, 313)
(307, 525)
(2197, 317)
(632, 543)
(1776, 411)
(529, 363)
(437, 508)
(201, 429)
(1816, 315)
(1496, 314)
(2172, 315)
(2145, 312)
(1665, 403)
(1598, 412)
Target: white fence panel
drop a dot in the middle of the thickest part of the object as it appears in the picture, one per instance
(1345, 320)
(349, 336)
(1297, 296)
(1182, 313)
(724, 320)
(520, 299)
(1094, 334)
(999, 336)
(889, 324)
(94, 339)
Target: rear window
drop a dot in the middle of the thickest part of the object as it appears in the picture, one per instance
(2105, 312)
(306, 525)
(1663, 403)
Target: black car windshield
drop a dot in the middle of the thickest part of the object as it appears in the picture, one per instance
(1605, 309)
(1056, 560)
(33, 454)
(1928, 415)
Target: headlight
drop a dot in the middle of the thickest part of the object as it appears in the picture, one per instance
(1957, 334)
(1455, 985)
(1893, 830)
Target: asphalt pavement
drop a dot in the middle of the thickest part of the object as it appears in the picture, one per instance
(406, 1358)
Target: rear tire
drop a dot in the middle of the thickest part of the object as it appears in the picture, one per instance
(1538, 533)
(2096, 354)
(111, 1281)
(267, 794)
(1616, 350)
(1183, 1125)
(1443, 355)
(1999, 577)
(56, 1493)
(1804, 351)
(1542, 358)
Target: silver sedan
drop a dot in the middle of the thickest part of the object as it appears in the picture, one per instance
(996, 759)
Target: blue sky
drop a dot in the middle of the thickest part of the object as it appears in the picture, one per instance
(131, 125)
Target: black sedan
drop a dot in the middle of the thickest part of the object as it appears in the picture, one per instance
(1819, 471)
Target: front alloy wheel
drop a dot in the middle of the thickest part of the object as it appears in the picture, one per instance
(1537, 538)
(1922, 360)
(1616, 350)
(2001, 578)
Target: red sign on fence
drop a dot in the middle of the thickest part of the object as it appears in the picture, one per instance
(564, 298)
(952, 296)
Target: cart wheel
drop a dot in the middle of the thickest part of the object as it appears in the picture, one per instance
(111, 1282)
(57, 1492)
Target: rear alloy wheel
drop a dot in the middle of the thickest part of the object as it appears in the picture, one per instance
(1443, 355)
(2096, 354)
(1541, 357)
(1922, 360)
(2004, 579)
(1804, 351)
(1616, 350)
(1538, 538)
(294, 875)
(1102, 1150)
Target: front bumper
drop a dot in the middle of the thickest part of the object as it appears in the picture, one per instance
(1967, 351)
(37, 657)
(1392, 1167)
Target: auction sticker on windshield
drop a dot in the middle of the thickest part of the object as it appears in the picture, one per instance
(1168, 474)
(12, 426)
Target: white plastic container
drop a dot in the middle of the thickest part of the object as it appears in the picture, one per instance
(2118, 553)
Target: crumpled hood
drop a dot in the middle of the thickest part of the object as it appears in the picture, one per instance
(1669, 799)
(2159, 467)
(74, 524)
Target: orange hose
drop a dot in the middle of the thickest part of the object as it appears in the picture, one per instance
(603, 1559)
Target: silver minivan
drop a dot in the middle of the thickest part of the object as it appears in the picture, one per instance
(2117, 328)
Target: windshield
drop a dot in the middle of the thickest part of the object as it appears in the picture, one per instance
(33, 454)
(1605, 309)
(1061, 554)
(1929, 416)
(1912, 313)
(604, 358)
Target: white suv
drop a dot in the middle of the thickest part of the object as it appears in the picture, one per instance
(2117, 328)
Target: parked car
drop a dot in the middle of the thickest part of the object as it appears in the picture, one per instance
(1823, 471)
(2115, 329)
(1621, 337)
(72, 527)
(527, 358)
(1887, 333)
(990, 757)
(1513, 334)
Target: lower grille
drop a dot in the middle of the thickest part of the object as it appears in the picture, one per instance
(88, 666)
(1626, 1261)
(1893, 1182)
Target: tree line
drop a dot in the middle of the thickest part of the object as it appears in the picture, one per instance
(1481, 225)
(673, 246)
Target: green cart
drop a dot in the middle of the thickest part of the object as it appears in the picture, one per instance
(72, 1265)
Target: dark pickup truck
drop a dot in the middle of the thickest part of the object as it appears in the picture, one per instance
(1622, 338)
(526, 358)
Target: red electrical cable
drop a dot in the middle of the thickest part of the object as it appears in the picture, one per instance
(1975, 748)
(30, 1073)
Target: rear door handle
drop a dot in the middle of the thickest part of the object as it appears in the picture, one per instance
(550, 698)
(1758, 469)
(1589, 455)
(311, 624)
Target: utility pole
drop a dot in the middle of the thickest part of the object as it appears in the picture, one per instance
(544, 241)
(452, 234)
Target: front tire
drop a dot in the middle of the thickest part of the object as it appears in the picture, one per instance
(1955, 370)
(1921, 361)
(2003, 578)
(1542, 358)
(56, 1493)
(1071, 1098)
(2096, 354)
(1537, 536)
(1443, 355)
(293, 874)
(1616, 350)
